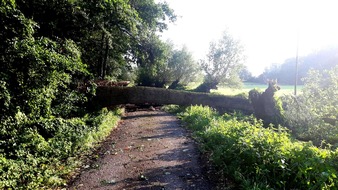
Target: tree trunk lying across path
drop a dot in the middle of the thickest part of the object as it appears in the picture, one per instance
(108, 96)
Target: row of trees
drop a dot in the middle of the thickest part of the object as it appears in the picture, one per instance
(324, 59)
(167, 66)
(49, 46)
(175, 68)
(111, 34)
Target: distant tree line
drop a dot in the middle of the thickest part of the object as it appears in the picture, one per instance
(324, 59)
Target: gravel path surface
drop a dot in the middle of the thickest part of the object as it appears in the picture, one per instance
(148, 150)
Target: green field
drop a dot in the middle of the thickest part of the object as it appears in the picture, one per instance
(285, 89)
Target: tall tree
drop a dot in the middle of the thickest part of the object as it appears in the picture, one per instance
(154, 16)
(183, 68)
(108, 32)
(115, 27)
(223, 63)
(152, 62)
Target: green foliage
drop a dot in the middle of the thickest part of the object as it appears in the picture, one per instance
(109, 33)
(5, 98)
(313, 115)
(46, 48)
(261, 158)
(37, 73)
(154, 14)
(47, 78)
(13, 24)
(44, 153)
(224, 62)
(320, 91)
(161, 65)
(183, 68)
(153, 68)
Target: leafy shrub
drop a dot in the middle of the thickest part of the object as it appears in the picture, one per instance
(313, 114)
(200, 116)
(4, 98)
(37, 74)
(36, 154)
(261, 158)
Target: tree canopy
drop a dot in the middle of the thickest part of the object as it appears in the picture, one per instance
(36, 72)
(49, 46)
(223, 63)
(183, 68)
(109, 33)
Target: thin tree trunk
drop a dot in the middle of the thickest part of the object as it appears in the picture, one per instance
(100, 62)
(105, 60)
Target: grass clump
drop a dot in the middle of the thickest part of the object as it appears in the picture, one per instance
(261, 158)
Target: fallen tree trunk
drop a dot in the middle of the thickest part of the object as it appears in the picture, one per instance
(108, 96)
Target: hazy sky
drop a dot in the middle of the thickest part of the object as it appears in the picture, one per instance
(268, 29)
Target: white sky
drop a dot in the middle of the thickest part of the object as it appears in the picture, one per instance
(266, 28)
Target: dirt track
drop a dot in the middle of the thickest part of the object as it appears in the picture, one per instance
(148, 150)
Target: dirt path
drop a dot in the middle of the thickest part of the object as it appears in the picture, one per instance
(149, 150)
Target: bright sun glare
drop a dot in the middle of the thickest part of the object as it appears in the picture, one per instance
(269, 30)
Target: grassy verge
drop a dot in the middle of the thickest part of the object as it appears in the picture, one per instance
(43, 154)
(261, 158)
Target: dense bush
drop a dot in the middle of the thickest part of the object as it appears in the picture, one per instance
(38, 75)
(261, 158)
(44, 153)
(43, 121)
(313, 115)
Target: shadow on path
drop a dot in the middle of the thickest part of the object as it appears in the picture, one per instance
(148, 150)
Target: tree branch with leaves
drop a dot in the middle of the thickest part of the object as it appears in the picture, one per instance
(223, 63)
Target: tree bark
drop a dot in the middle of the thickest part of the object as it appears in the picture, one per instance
(105, 60)
(100, 61)
(109, 96)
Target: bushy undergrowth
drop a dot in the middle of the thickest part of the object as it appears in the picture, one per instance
(261, 158)
(44, 153)
(313, 115)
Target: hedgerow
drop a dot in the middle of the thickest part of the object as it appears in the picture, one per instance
(45, 153)
(261, 158)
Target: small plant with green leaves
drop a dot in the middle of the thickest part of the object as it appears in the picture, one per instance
(37, 154)
(257, 157)
(313, 115)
